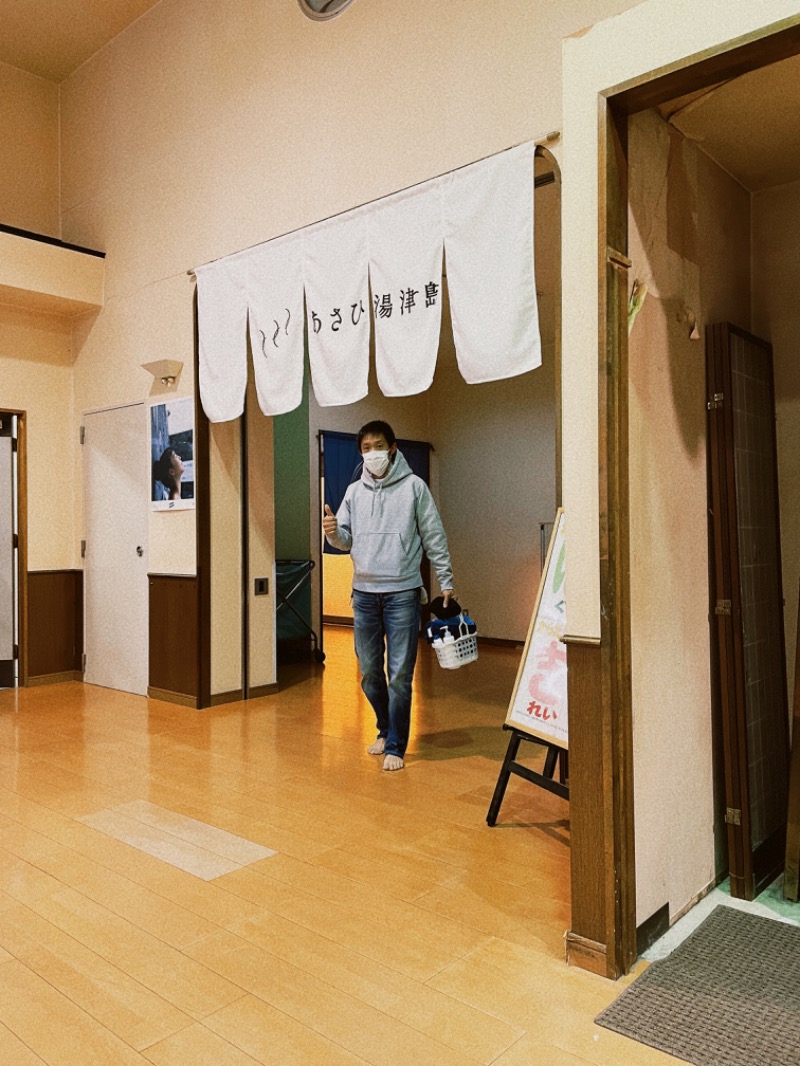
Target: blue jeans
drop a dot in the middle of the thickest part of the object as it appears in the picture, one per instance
(393, 618)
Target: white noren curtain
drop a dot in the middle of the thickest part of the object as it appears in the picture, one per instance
(405, 268)
(276, 321)
(488, 225)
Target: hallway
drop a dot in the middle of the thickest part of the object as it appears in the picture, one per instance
(390, 926)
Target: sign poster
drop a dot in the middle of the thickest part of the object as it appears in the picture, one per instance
(539, 703)
(172, 454)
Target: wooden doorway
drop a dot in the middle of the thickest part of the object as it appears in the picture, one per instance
(13, 569)
(748, 598)
(603, 935)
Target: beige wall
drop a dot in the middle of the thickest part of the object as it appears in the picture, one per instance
(204, 129)
(690, 243)
(29, 160)
(36, 377)
(35, 348)
(653, 35)
(776, 317)
(110, 347)
(182, 142)
(45, 277)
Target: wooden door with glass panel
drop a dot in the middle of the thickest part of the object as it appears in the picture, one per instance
(747, 603)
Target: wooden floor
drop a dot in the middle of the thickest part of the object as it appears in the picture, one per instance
(390, 926)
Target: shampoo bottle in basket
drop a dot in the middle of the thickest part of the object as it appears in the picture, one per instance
(448, 638)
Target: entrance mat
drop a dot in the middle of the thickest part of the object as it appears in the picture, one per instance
(729, 995)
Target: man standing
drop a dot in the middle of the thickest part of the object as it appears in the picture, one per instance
(386, 520)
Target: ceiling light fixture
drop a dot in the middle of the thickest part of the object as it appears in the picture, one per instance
(319, 10)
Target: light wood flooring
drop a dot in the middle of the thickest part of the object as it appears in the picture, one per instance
(390, 926)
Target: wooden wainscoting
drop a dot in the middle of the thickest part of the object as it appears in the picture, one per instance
(174, 660)
(589, 939)
(54, 622)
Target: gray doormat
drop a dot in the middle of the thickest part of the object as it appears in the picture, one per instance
(729, 995)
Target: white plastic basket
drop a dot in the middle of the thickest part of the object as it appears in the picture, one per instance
(462, 650)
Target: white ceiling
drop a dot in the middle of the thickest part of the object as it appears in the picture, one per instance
(750, 126)
(52, 38)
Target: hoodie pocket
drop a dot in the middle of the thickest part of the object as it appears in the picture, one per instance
(377, 556)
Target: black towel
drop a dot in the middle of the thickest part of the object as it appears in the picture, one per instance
(450, 611)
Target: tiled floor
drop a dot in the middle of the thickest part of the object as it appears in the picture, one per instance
(245, 885)
(770, 904)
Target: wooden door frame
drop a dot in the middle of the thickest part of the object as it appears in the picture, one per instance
(22, 543)
(602, 937)
(543, 154)
(202, 491)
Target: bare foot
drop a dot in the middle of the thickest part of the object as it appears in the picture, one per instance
(393, 762)
(378, 747)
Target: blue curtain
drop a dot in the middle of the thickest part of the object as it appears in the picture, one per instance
(343, 466)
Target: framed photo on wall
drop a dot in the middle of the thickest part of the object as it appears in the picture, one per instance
(172, 454)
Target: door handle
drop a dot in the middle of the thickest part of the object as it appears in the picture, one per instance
(139, 550)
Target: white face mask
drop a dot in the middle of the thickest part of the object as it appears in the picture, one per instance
(377, 463)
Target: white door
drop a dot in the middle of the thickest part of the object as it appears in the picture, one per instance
(116, 494)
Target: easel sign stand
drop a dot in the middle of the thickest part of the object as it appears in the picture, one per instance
(537, 712)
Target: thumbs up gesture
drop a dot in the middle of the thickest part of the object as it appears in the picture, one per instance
(329, 523)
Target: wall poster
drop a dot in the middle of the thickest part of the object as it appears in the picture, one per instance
(539, 703)
(172, 454)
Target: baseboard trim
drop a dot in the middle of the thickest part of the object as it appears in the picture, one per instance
(501, 642)
(718, 879)
(54, 679)
(220, 698)
(498, 642)
(166, 696)
(258, 691)
(586, 954)
(652, 929)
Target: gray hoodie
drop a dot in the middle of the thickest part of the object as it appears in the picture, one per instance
(385, 524)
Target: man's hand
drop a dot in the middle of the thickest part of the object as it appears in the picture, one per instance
(329, 523)
(447, 595)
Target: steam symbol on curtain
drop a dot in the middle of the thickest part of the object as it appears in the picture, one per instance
(275, 334)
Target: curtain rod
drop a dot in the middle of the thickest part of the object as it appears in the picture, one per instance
(538, 182)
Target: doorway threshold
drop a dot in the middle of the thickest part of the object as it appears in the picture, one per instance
(770, 904)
